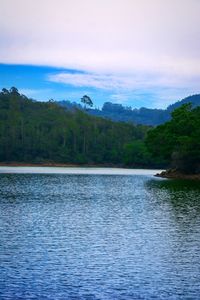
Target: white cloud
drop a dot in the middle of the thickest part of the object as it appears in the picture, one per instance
(109, 36)
(92, 80)
(117, 82)
(158, 90)
(119, 44)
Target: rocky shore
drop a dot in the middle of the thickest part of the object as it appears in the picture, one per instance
(175, 174)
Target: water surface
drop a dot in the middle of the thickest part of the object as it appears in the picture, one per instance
(76, 236)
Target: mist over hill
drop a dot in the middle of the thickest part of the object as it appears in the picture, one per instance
(146, 116)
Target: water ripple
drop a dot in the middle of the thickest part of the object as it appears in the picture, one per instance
(98, 237)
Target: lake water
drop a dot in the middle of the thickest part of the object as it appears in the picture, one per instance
(120, 234)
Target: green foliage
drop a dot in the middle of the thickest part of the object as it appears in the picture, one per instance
(178, 141)
(136, 154)
(32, 131)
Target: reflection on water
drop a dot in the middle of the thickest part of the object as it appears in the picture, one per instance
(175, 184)
(182, 195)
(98, 237)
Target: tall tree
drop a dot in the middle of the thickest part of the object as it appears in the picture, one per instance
(87, 101)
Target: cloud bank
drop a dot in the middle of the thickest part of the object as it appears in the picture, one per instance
(162, 89)
(116, 43)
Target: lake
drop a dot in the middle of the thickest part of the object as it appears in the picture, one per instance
(89, 233)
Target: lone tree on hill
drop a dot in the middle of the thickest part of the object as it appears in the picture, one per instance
(87, 101)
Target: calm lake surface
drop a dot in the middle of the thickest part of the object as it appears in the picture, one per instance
(120, 234)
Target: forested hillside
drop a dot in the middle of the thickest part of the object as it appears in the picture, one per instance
(32, 131)
(177, 142)
(38, 132)
(194, 100)
(147, 116)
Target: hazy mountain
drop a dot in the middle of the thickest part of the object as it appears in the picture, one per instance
(194, 99)
(146, 116)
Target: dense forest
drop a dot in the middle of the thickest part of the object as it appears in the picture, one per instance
(39, 132)
(32, 131)
(177, 142)
(143, 115)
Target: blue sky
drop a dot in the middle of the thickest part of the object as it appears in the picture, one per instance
(34, 82)
(37, 82)
(134, 52)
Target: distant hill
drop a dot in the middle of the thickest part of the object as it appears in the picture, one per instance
(146, 116)
(195, 100)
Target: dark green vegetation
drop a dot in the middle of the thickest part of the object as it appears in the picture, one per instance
(39, 132)
(32, 131)
(178, 141)
(87, 101)
(118, 112)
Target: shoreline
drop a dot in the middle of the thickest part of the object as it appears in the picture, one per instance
(168, 174)
(174, 174)
(23, 168)
(71, 165)
(64, 165)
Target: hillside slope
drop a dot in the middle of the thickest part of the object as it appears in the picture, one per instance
(32, 131)
(146, 116)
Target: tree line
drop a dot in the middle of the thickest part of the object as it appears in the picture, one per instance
(38, 132)
(33, 131)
